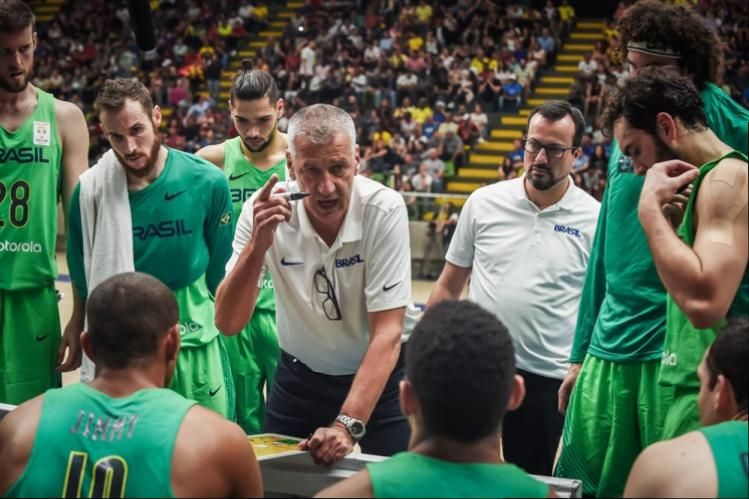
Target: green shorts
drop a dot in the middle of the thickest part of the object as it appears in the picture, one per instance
(615, 411)
(253, 356)
(29, 341)
(683, 414)
(203, 375)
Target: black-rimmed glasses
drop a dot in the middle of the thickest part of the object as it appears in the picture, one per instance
(330, 303)
(553, 151)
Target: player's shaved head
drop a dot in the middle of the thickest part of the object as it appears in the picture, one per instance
(127, 316)
(461, 363)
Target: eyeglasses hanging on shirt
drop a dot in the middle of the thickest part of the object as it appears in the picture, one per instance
(330, 303)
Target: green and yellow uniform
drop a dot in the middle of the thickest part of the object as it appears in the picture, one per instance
(685, 345)
(88, 444)
(254, 352)
(182, 233)
(621, 327)
(728, 443)
(30, 181)
(409, 474)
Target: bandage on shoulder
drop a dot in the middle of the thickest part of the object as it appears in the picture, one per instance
(726, 198)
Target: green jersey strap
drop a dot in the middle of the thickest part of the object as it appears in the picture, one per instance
(728, 443)
(88, 444)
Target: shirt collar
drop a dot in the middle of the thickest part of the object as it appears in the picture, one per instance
(567, 202)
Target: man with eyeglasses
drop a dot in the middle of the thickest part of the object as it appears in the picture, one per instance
(341, 265)
(525, 244)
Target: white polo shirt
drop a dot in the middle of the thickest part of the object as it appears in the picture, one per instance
(528, 266)
(369, 266)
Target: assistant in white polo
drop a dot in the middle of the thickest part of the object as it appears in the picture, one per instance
(525, 244)
(368, 265)
(528, 266)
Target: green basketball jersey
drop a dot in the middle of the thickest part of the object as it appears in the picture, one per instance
(29, 184)
(88, 444)
(685, 344)
(409, 474)
(182, 234)
(728, 442)
(621, 307)
(244, 179)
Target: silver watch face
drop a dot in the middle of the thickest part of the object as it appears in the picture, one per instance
(357, 429)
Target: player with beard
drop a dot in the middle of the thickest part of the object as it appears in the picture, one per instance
(703, 260)
(43, 150)
(248, 161)
(524, 244)
(162, 212)
(619, 339)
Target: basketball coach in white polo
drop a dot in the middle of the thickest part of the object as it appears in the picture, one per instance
(341, 266)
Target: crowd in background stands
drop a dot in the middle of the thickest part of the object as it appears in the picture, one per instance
(603, 69)
(420, 79)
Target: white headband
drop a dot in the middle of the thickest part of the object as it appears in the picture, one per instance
(657, 50)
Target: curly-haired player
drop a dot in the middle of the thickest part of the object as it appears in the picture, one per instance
(619, 337)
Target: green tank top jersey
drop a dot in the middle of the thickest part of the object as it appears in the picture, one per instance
(621, 308)
(409, 474)
(728, 442)
(685, 344)
(244, 179)
(88, 444)
(30, 164)
(182, 234)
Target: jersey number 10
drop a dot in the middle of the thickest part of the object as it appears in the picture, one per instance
(108, 479)
(19, 203)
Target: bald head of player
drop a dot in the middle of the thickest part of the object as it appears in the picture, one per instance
(146, 440)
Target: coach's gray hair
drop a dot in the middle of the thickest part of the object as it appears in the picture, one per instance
(320, 123)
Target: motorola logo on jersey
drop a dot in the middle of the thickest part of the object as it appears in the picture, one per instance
(168, 228)
(266, 284)
(241, 195)
(189, 327)
(23, 155)
(348, 262)
(25, 247)
(669, 359)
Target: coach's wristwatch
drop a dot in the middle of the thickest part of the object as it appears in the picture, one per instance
(356, 428)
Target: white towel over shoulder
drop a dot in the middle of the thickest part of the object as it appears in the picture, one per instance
(107, 228)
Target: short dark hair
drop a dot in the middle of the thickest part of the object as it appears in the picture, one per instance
(253, 84)
(682, 30)
(127, 316)
(655, 90)
(114, 92)
(727, 356)
(555, 110)
(461, 362)
(15, 16)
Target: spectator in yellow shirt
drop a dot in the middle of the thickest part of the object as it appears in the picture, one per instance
(423, 12)
(422, 111)
(415, 42)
